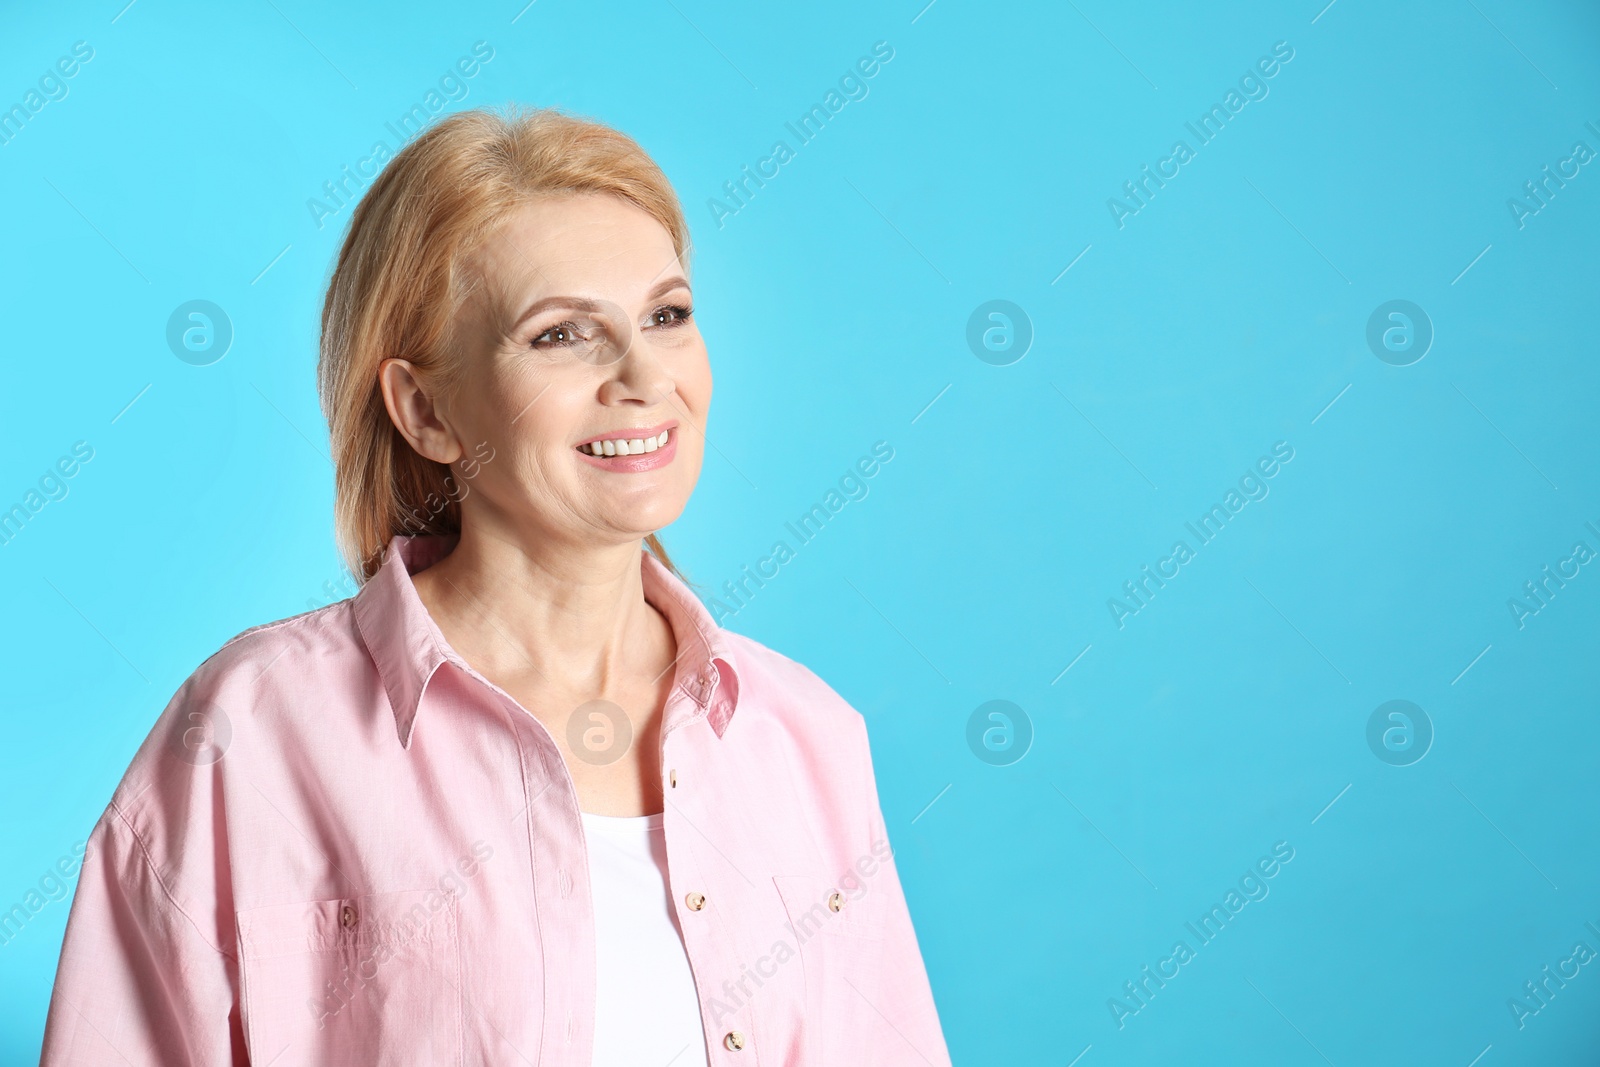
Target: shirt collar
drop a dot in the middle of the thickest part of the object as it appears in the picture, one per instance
(407, 646)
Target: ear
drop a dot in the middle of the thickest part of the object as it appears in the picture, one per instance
(415, 414)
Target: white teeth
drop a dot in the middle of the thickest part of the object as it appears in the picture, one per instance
(632, 446)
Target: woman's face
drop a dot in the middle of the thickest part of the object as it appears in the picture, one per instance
(582, 332)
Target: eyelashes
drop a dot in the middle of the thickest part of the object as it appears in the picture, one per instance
(681, 311)
(569, 334)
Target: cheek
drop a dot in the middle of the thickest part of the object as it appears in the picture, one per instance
(509, 421)
(520, 399)
(692, 406)
(694, 381)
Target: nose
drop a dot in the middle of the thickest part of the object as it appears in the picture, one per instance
(639, 376)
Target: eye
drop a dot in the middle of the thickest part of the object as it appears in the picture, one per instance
(670, 315)
(561, 335)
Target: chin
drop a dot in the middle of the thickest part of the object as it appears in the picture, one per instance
(647, 520)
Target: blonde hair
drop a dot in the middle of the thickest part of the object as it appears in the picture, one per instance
(403, 272)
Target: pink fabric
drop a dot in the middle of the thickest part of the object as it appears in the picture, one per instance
(340, 844)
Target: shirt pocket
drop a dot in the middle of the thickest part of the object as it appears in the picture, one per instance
(372, 979)
(844, 956)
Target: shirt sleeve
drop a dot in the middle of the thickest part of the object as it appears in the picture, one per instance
(138, 984)
(909, 1007)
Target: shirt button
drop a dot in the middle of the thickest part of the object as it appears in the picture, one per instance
(836, 901)
(347, 916)
(672, 778)
(696, 901)
(734, 1040)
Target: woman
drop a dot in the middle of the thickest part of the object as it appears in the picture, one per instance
(520, 800)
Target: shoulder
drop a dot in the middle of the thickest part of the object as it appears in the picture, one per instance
(771, 683)
(774, 673)
(257, 682)
(802, 731)
(299, 647)
(277, 666)
(165, 830)
(282, 663)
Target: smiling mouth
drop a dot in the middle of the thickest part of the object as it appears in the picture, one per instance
(625, 446)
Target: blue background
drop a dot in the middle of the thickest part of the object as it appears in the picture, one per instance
(1229, 313)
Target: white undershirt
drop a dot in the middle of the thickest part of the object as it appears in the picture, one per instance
(646, 1009)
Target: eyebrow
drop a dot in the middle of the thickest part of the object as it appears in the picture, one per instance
(581, 303)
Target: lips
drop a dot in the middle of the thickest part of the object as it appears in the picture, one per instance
(625, 458)
(625, 442)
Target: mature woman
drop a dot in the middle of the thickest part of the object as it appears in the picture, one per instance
(520, 800)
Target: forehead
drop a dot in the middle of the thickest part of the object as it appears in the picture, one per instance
(578, 244)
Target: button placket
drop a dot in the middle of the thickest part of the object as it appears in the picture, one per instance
(554, 868)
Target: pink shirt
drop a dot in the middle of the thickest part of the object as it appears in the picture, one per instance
(340, 844)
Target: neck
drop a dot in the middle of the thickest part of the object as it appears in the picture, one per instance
(568, 618)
